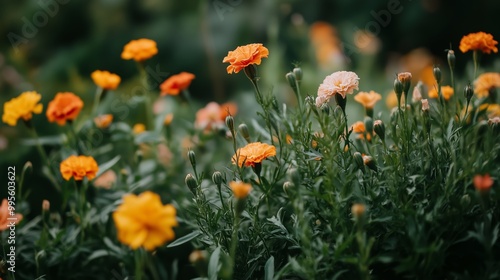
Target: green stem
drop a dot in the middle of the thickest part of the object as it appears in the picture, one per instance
(234, 239)
(138, 264)
(45, 158)
(97, 99)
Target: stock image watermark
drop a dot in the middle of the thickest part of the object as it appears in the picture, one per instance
(11, 218)
(223, 6)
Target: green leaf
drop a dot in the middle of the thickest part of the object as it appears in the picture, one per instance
(186, 238)
(148, 137)
(107, 165)
(213, 264)
(46, 140)
(269, 269)
(112, 246)
(97, 254)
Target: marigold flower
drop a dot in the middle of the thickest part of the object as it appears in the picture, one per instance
(404, 77)
(244, 56)
(143, 221)
(240, 189)
(23, 106)
(79, 167)
(213, 116)
(103, 121)
(138, 128)
(64, 107)
(253, 153)
(358, 127)
(479, 41)
(483, 183)
(485, 82)
(106, 180)
(446, 91)
(6, 219)
(367, 99)
(139, 50)
(176, 83)
(340, 82)
(105, 79)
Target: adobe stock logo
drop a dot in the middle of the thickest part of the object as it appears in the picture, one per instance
(49, 9)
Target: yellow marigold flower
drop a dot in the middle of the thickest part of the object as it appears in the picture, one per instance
(143, 221)
(79, 167)
(66, 106)
(483, 183)
(176, 83)
(446, 91)
(139, 50)
(485, 82)
(105, 79)
(240, 189)
(23, 106)
(6, 218)
(103, 121)
(253, 153)
(479, 41)
(340, 82)
(138, 128)
(244, 56)
(367, 99)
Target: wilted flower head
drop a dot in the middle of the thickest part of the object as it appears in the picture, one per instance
(479, 41)
(446, 91)
(367, 99)
(78, 167)
(103, 121)
(176, 83)
(6, 217)
(483, 183)
(240, 189)
(244, 56)
(253, 153)
(341, 82)
(486, 82)
(143, 221)
(66, 106)
(22, 107)
(139, 50)
(105, 79)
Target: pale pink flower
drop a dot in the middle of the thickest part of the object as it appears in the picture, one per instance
(340, 82)
(425, 105)
(106, 180)
(417, 95)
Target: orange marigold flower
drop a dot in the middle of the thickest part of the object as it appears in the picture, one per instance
(483, 183)
(23, 106)
(139, 50)
(138, 128)
(103, 121)
(485, 82)
(79, 167)
(105, 79)
(6, 219)
(64, 107)
(358, 127)
(143, 221)
(244, 56)
(213, 115)
(446, 91)
(253, 153)
(367, 99)
(176, 83)
(240, 189)
(479, 41)
(340, 82)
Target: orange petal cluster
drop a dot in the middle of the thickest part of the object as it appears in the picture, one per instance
(446, 91)
(253, 153)
(367, 99)
(485, 82)
(480, 41)
(5, 218)
(64, 107)
(105, 79)
(483, 183)
(139, 50)
(103, 121)
(244, 56)
(79, 167)
(22, 107)
(176, 83)
(240, 189)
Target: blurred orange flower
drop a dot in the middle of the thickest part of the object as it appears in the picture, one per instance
(176, 83)
(479, 41)
(168, 119)
(139, 50)
(23, 106)
(485, 82)
(138, 128)
(6, 219)
(367, 99)
(253, 153)
(64, 107)
(244, 56)
(240, 189)
(103, 121)
(446, 91)
(213, 115)
(340, 82)
(358, 127)
(483, 183)
(79, 167)
(327, 45)
(143, 221)
(105, 79)
(392, 100)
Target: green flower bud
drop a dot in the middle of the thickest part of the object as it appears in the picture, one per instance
(191, 183)
(379, 128)
(217, 178)
(437, 74)
(451, 59)
(244, 132)
(468, 92)
(192, 158)
(369, 125)
(297, 71)
(358, 160)
(230, 123)
(287, 186)
(290, 77)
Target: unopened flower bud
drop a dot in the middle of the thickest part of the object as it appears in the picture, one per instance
(369, 125)
(379, 128)
(468, 92)
(297, 71)
(437, 74)
(325, 108)
(358, 160)
(45, 205)
(230, 123)
(244, 132)
(191, 183)
(192, 158)
(425, 105)
(451, 59)
(398, 89)
(287, 186)
(290, 77)
(368, 161)
(405, 78)
(358, 210)
(217, 178)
